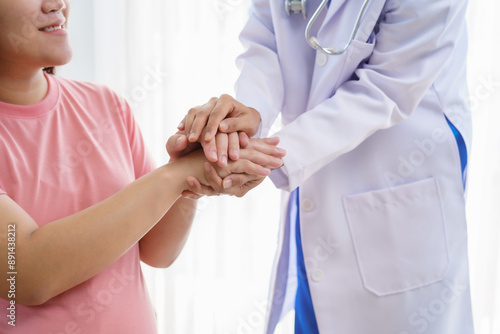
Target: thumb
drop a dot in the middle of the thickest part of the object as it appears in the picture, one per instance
(242, 119)
(237, 124)
(176, 144)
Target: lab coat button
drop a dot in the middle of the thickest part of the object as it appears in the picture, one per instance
(317, 275)
(321, 59)
(307, 205)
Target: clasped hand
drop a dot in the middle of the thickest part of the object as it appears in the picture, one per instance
(222, 127)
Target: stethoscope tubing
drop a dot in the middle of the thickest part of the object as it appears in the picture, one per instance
(314, 42)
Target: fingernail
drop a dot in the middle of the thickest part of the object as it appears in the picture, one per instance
(234, 154)
(191, 183)
(207, 168)
(177, 141)
(223, 160)
(180, 126)
(192, 137)
(227, 183)
(213, 156)
(208, 136)
(282, 151)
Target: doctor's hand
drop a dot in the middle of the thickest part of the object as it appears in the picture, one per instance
(223, 115)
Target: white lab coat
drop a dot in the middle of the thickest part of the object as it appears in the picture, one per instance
(381, 196)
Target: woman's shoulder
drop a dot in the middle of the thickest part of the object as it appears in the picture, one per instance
(91, 97)
(83, 87)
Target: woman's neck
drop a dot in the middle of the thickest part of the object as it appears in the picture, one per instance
(23, 88)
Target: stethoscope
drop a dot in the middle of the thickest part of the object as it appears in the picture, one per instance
(297, 6)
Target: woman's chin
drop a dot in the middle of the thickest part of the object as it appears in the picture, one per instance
(60, 61)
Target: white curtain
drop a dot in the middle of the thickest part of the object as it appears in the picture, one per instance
(167, 56)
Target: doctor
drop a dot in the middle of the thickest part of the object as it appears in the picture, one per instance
(373, 235)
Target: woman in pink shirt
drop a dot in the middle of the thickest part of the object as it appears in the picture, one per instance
(81, 203)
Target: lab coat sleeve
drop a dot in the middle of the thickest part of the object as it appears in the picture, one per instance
(414, 42)
(260, 84)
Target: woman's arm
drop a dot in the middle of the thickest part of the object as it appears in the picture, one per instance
(163, 243)
(59, 255)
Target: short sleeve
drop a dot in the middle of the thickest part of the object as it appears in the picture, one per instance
(143, 162)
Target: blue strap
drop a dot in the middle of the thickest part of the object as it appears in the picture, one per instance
(462, 150)
(305, 320)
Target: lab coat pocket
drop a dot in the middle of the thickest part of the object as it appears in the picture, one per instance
(399, 236)
(359, 51)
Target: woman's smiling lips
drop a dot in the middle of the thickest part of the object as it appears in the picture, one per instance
(55, 27)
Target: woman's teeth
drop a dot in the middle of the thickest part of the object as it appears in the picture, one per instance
(52, 28)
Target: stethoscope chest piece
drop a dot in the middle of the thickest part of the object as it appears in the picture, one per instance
(296, 6)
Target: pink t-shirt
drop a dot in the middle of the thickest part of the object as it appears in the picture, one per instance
(74, 149)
